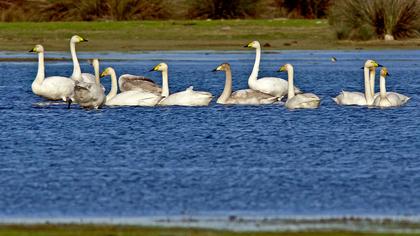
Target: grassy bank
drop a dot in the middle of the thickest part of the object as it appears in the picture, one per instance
(92, 230)
(182, 35)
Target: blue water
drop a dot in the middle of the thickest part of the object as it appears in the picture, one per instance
(217, 160)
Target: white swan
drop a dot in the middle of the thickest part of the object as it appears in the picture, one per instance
(298, 101)
(129, 82)
(89, 95)
(52, 88)
(402, 97)
(189, 97)
(269, 85)
(388, 99)
(358, 98)
(77, 73)
(244, 96)
(128, 98)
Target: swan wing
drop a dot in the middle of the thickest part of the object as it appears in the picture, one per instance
(351, 99)
(88, 78)
(273, 86)
(251, 97)
(89, 95)
(187, 98)
(134, 98)
(403, 98)
(129, 82)
(247, 93)
(55, 88)
(305, 100)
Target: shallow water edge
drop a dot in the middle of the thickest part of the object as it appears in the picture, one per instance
(375, 224)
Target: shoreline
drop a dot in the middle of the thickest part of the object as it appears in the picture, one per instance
(126, 36)
(244, 224)
(64, 56)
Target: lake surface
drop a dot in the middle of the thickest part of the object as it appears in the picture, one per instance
(215, 161)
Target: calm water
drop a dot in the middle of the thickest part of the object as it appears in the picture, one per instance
(217, 160)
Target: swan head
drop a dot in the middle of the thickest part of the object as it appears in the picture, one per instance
(94, 62)
(285, 68)
(223, 67)
(384, 72)
(253, 44)
(77, 39)
(38, 49)
(160, 67)
(107, 71)
(371, 64)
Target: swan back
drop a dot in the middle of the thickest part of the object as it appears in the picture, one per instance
(89, 95)
(189, 97)
(305, 100)
(129, 82)
(134, 98)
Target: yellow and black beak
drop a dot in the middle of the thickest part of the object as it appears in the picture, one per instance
(282, 69)
(154, 69)
(104, 73)
(249, 45)
(32, 50)
(83, 40)
(217, 69)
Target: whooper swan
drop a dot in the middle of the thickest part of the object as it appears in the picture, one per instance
(357, 98)
(387, 99)
(298, 101)
(189, 97)
(128, 98)
(244, 96)
(77, 73)
(52, 88)
(89, 95)
(269, 85)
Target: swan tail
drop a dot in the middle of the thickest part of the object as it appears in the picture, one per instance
(336, 100)
(191, 88)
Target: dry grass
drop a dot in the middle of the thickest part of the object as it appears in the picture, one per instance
(373, 19)
(92, 10)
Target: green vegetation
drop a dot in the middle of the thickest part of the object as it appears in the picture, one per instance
(181, 35)
(94, 230)
(364, 20)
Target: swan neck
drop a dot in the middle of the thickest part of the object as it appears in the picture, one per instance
(256, 69)
(372, 81)
(368, 91)
(97, 76)
(290, 83)
(114, 86)
(165, 83)
(382, 87)
(41, 68)
(77, 73)
(227, 91)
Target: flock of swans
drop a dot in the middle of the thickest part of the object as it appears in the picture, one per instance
(87, 91)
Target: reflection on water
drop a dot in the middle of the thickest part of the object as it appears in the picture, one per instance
(217, 160)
